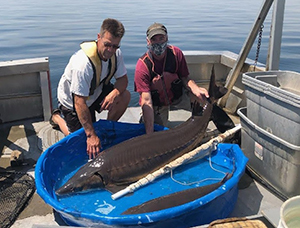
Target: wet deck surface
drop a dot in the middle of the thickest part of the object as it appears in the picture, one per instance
(32, 137)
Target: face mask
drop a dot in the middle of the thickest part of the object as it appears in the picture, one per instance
(158, 49)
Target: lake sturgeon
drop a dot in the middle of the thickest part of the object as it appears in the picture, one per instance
(133, 159)
(176, 199)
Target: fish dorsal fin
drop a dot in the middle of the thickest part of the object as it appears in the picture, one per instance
(215, 92)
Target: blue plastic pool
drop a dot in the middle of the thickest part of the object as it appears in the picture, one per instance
(96, 208)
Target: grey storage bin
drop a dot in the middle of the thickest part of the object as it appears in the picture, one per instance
(275, 160)
(273, 102)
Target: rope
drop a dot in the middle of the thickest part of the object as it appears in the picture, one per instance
(200, 181)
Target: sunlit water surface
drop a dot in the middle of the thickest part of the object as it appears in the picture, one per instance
(54, 29)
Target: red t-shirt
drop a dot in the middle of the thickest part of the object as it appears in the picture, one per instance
(142, 77)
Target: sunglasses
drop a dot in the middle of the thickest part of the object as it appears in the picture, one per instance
(109, 45)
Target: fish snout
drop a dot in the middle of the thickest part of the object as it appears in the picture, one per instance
(65, 189)
(73, 185)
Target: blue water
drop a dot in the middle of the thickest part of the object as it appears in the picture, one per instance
(97, 205)
(54, 29)
(100, 203)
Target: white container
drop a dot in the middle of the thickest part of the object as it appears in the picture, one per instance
(274, 160)
(273, 102)
(290, 213)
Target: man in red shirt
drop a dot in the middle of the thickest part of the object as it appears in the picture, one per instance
(160, 75)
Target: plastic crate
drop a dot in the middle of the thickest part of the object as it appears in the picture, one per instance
(273, 102)
(275, 160)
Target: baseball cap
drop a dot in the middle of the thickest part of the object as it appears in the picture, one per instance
(156, 29)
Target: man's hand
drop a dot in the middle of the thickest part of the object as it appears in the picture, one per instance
(119, 87)
(108, 101)
(93, 146)
(200, 93)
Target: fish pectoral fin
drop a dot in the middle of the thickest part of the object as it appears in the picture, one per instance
(221, 119)
(116, 188)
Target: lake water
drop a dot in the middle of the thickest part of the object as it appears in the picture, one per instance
(54, 29)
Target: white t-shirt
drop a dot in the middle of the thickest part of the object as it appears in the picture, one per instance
(78, 75)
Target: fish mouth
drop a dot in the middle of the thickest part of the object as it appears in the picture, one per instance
(67, 188)
(95, 181)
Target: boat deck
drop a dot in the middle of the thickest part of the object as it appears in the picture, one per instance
(32, 137)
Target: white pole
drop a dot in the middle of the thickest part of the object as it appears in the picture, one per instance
(275, 36)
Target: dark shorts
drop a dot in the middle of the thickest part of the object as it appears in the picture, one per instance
(71, 117)
(72, 120)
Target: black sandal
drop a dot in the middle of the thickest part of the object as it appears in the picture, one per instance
(54, 125)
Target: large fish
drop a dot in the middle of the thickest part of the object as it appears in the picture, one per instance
(133, 159)
(176, 199)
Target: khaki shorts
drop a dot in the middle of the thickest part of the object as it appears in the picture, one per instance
(161, 114)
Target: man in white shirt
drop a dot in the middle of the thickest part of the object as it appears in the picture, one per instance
(85, 85)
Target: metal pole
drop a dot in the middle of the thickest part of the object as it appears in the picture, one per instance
(234, 73)
(275, 36)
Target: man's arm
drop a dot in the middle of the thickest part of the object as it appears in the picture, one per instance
(84, 116)
(119, 87)
(121, 83)
(196, 90)
(147, 108)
